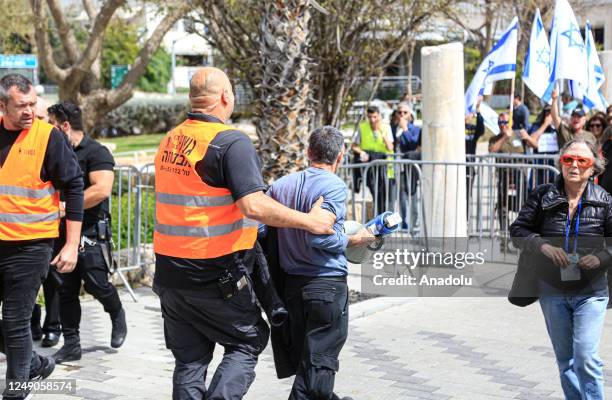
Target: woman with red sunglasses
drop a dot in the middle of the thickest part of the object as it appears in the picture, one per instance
(562, 230)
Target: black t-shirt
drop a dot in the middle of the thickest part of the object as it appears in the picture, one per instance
(473, 132)
(60, 166)
(230, 162)
(92, 157)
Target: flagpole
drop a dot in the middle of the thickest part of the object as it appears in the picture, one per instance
(511, 99)
(559, 100)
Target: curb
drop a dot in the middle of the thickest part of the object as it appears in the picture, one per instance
(372, 306)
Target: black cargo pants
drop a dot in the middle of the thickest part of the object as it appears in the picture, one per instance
(194, 321)
(92, 270)
(318, 316)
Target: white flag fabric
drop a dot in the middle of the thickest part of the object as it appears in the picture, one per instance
(567, 50)
(592, 97)
(499, 64)
(489, 117)
(536, 72)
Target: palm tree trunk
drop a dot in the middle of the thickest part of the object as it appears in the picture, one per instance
(284, 94)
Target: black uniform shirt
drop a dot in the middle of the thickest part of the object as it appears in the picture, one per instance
(230, 162)
(472, 134)
(92, 157)
(59, 166)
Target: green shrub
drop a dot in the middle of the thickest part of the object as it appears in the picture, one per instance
(144, 115)
(121, 223)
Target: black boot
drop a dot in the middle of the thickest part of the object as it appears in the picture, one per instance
(119, 329)
(68, 352)
(50, 339)
(47, 365)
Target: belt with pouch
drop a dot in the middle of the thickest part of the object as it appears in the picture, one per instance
(100, 233)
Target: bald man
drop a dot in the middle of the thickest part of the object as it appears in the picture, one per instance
(209, 192)
(41, 109)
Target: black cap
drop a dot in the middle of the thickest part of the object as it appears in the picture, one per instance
(579, 112)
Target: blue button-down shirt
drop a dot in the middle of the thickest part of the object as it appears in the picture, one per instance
(300, 252)
(410, 139)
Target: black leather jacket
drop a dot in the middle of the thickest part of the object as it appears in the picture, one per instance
(543, 219)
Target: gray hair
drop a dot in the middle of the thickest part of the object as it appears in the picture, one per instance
(599, 164)
(325, 144)
(22, 84)
(407, 105)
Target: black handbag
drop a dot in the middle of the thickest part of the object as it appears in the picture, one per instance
(524, 288)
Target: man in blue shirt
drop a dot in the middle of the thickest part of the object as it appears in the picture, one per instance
(409, 139)
(316, 291)
(520, 114)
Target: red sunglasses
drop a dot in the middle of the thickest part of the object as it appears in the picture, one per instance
(583, 162)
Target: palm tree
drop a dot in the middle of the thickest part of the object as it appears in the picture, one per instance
(285, 105)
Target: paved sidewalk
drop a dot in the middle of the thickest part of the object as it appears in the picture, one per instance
(420, 348)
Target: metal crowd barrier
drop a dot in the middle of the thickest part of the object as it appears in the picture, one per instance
(495, 190)
(125, 219)
(496, 187)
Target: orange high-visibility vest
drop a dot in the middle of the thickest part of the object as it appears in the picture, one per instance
(29, 207)
(192, 219)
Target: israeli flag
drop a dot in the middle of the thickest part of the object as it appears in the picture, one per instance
(536, 72)
(567, 49)
(499, 64)
(489, 117)
(592, 98)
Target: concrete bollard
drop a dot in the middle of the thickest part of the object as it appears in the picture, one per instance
(443, 140)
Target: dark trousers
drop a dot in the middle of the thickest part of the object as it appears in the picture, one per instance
(318, 316)
(194, 321)
(52, 300)
(51, 323)
(92, 270)
(22, 270)
(511, 189)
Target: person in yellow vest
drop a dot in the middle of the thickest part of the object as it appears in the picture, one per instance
(374, 141)
(209, 192)
(36, 161)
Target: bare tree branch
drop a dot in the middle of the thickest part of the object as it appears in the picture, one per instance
(94, 44)
(45, 51)
(64, 32)
(89, 9)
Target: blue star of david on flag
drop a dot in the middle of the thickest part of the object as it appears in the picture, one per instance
(569, 34)
(543, 56)
(488, 68)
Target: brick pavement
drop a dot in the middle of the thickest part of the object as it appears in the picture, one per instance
(420, 348)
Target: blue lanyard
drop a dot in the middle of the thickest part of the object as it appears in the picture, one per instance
(568, 227)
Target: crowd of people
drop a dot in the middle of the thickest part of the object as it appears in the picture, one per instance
(376, 139)
(562, 223)
(400, 138)
(226, 244)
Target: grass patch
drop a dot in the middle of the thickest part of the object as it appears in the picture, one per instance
(135, 142)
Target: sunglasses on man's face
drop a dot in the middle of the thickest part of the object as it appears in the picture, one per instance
(596, 125)
(582, 162)
(502, 122)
